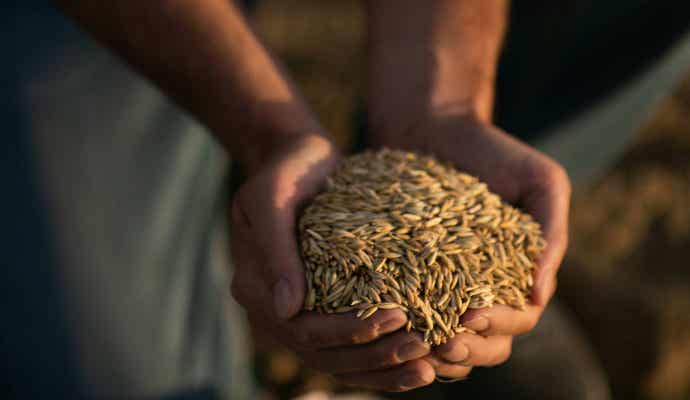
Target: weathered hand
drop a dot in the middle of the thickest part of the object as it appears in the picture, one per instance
(269, 281)
(522, 176)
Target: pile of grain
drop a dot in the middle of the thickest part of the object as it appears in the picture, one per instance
(398, 230)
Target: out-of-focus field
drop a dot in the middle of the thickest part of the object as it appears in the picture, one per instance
(627, 273)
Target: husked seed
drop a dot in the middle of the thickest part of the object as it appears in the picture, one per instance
(433, 222)
(316, 235)
(309, 302)
(444, 298)
(397, 230)
(396, 296)
(367, 312)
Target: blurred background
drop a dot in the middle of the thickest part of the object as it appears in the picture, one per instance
(627, 272)
(626, 276)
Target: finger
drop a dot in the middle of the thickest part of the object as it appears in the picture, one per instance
(281, 267)
(411, 375)
(448, 370)
(246, 286)
(502, 320)
(384, 353)
(313, 331)
(549, 202)
(475, 350)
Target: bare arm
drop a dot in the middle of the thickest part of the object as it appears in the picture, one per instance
(433, 57)
(432, 71)
(205, 56)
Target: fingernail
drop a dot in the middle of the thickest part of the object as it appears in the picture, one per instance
(282, 298)
(412, 350)
(414, 379)
(458, 352)
(410, 381)
(478, 324)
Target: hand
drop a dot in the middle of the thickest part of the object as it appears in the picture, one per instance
(269, 280)
(522, 176)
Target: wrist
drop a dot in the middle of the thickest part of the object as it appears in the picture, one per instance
(450, 88)
(427, 132)
(414, 129)
(308, 145)
(432, 60)
(269, 130)
(460, 88)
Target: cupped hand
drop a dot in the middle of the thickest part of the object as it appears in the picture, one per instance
(524, 177)
(269, 280)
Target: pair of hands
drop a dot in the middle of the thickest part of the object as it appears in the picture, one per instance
(375, 353)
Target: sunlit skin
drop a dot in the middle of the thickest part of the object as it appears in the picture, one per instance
(432, 68)
(431, 76)
(522, 176)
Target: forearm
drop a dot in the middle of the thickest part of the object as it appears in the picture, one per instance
(203, 54)
(432, 58)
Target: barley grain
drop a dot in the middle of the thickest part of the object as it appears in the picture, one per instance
(395, 230)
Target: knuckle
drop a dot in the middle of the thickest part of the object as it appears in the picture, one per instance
(446, 352)
(557, 176)
(456, 352)
(385, 356)
(367, 333)
(474, 358)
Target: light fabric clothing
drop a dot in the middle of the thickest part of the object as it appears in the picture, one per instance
(136, 198)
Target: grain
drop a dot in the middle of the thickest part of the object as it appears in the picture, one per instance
(399, 230)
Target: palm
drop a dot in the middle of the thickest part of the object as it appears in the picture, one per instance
(265, 254)
(263, 221)
(522, 176)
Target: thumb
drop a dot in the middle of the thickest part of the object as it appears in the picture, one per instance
(275, 247)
